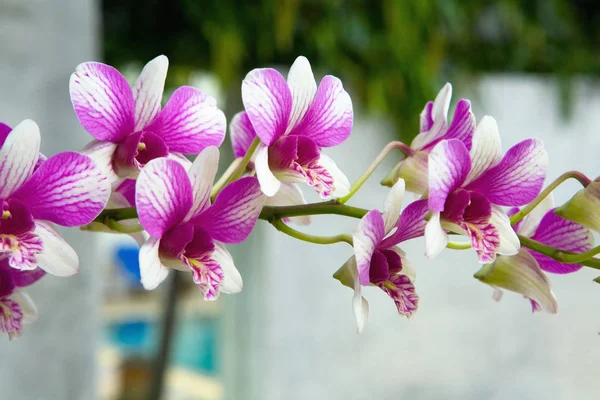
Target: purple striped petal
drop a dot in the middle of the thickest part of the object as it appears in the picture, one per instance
(328, 121)
(202, 175)
(163, 195)
(68, 189)
(520, 274)
(368, 235)
(57, 257)
(103, 101)
(148, 91)
(379, 270)
(18, 156)
(486, 151)
(485, 240)
(152, 271)
(518, 178)
(127, 189)
(410, 225)
(449, 165)
(268, 101)
(401, 289)
(393, 206)
(234, 213)
(241, 133)
(438, 115)
(462, 126)
(103, 154)
(564, 235)
(426, 118)
(189, 122)
(232, 280)
(26, 278)
(303, 87)
(528, 225)
(208, 275)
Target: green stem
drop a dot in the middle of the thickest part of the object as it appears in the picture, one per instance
(115, 226)
(584, 180)
(282, 227)
(365, 176)
(117, 214)
(270, 213)
(224, 178)
(458, 246)
(557, 254)
(245, 160)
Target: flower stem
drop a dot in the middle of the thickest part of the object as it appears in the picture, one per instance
(584, 180)
(118, 227)
(557, 254)
(271, 213)
(365, 176)
(245, 160)
(117, 214)
(284, 228)
(458, 245)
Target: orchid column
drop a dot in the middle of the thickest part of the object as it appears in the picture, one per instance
(58, 360)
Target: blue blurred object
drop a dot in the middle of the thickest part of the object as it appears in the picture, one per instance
(194, 346)
(128, 263)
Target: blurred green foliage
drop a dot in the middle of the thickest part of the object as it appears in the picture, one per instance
(393, 55)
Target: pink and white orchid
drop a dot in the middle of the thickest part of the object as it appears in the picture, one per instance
(67, 189)
(466, 190)
(186, 231)
(524, 272)
(16, 307)
(378, 261)
(294, 120)
(129, 126)
(434, 129)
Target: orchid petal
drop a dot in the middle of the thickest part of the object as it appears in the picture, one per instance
(348, 276)
(268, 102)
(411, 224)
(208, 275)
(341, 184)
(289, 194)
(509, 242)
(57, 257)
(4, 131)
(241, 133)
(152, 271)
(366, 238)
(28, 307)
(303, 87)
(232, 280)
(18, 156)
(202, 175)
(148, 91)
(401, 289)
(520, 274)
(436, 238)
(426, 120)
(438, 119)
(564, 235)
(163, 196)
(269, 184)
(68, 189)
(486, 151)
(518, 178)
(103, 153)
(103, 101)
(27, 278)
(189, 122)
(462, 126)
(414, 171)
(234, 213)
(328, 121)
(529, 224)
(393, 205)
(449, 165)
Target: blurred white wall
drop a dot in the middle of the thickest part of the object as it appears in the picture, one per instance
(42, 41)
(294, 331)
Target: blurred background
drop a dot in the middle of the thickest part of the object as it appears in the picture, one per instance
(532, 64)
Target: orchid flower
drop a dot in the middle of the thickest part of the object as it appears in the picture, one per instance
(242, 134)
(434, 129)
(128, 124)
(466, 190)
(524, 272)
(294, 120)
(378, 261)
(186, 231)
(67, 189)
(584, 207)
(16, 307)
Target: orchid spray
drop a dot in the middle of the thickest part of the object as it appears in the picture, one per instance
(133, 178)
